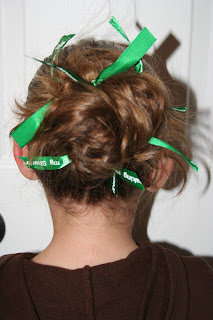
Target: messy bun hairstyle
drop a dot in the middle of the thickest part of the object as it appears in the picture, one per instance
(101, 128)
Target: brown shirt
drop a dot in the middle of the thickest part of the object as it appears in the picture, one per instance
(151, 283)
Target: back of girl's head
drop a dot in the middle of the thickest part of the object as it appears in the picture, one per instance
(101, 128)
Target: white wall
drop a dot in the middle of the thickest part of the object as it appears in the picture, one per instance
(33, 28)
(187, 220)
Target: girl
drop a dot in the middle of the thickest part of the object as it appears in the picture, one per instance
(98, 131)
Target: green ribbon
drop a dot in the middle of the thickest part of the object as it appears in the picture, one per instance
(47, 163)
(114, 184)
(25, 132)
(70, 74)
(133, 53)
(160, 143)
(62, 42)
(179, 109)
(116, 25)
(128, 176)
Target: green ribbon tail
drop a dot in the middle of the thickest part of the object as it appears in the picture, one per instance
(47, 163)
(116, 25)
(25, 132)
(113, 21)
(114, 184)
(130, 177)
(160, 143)
(133, 53)
(68, 73)
(179, 109)
(62, 42)
(139, 67)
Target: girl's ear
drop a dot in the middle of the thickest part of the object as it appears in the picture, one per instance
(165, 169)
(18, 152)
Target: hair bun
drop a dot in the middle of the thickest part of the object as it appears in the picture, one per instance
(100, 128)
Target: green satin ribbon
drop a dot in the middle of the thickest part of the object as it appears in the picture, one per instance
(70, 74)
(126, 175)
(47, 163)
(160, 143)
(117, 26)
(133, 53)
(25, 132)
(114, 184)
(62, 42)
(130, 177)
(179, 109)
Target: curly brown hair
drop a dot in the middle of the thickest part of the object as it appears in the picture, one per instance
(101, 128)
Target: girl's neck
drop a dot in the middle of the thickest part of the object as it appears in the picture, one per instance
(89, 238)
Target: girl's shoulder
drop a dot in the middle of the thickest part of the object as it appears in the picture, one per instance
(4, 260)
(13, 260)
(198, 275)
(200, 283)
